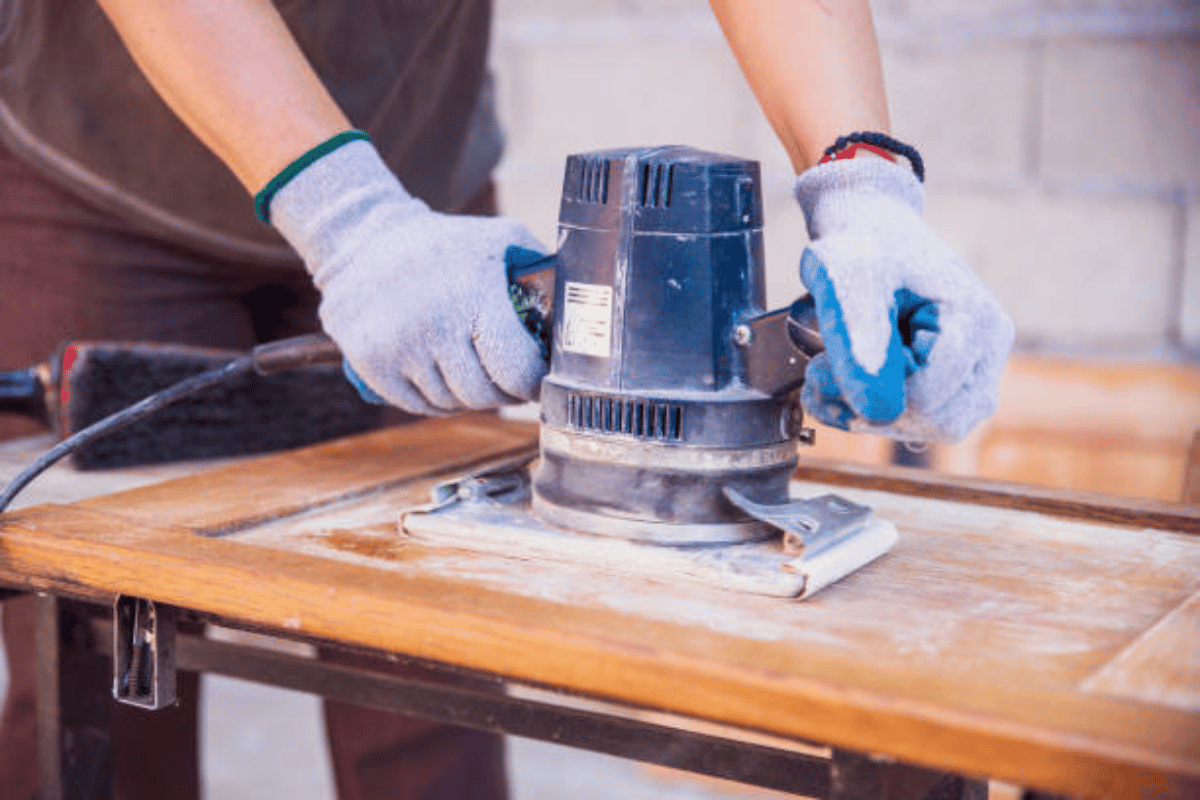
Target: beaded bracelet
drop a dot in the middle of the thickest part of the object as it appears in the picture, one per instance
(870, 140)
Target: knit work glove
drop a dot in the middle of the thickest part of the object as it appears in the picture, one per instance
(914, 342)
(417, 301)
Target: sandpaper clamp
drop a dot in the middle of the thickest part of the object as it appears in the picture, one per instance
(809, 526)
(489, 511)
(507, 481)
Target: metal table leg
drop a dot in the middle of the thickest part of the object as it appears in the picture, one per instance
(73, 701)
(854, 776)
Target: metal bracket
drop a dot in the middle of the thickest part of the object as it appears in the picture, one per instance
(143, 653)
(809, 526)
(778, 345)
(507, 481)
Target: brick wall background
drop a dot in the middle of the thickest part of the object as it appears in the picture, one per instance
(1062, 137)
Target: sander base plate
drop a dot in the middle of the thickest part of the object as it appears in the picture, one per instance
(504, 523)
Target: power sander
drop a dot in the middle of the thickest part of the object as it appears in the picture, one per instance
(670, 417)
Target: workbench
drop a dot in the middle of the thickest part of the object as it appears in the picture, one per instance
(1046, 639)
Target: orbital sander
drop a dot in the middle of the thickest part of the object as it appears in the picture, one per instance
(670, 417)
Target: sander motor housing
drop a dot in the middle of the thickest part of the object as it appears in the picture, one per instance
(658, 399)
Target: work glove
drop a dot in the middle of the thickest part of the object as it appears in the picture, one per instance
(915, 343)
(417, 301)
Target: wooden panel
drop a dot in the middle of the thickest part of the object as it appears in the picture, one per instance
(851, 448)
(962, 649)
(1162, 666)
(62, 484)
(614, 640)
(1136, 468)
(1138, 400)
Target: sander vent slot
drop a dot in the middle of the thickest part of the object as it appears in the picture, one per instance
(643, 419)
(656, 185)
(593, 180)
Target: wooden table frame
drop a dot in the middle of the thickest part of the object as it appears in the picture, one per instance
(117, 544)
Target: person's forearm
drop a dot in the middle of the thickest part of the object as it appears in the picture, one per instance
(235, 76)
(814, 66)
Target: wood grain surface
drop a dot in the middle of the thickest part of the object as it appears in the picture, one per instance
(977, 645)
(254, 491)
(1161, 666)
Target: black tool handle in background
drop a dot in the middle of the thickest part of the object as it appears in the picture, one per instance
(23, 392)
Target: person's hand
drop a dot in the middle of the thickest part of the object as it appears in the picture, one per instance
(417, 301)
(915, 343)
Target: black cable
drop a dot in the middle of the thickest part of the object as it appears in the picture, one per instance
(139, 410)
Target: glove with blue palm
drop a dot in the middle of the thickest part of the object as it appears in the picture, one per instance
(915, 343)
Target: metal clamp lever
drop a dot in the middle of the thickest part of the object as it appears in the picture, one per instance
(143, 653)
(508, 480)
(809, 526)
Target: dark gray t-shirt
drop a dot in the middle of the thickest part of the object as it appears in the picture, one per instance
(413, 73)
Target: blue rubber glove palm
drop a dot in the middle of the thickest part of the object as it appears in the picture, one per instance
(915, 343)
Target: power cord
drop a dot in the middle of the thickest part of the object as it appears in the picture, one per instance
(298, 351)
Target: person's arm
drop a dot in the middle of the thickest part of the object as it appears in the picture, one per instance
(914, 341)
(814, 66)
(235, 76)
(417, 301)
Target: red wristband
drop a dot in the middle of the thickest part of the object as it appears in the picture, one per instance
(852, 150)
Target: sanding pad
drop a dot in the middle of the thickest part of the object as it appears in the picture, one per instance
(492, 513)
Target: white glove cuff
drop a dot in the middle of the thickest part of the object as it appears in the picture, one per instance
(833, 193)
(324, 203)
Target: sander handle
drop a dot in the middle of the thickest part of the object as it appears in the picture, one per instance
(778, 345)
(531, 290)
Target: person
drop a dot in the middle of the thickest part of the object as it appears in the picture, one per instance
(142, 137)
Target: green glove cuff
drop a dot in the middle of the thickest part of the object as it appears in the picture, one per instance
(262, 200)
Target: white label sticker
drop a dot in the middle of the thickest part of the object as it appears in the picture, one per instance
(587, 319)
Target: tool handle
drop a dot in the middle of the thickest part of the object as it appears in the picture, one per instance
(778, 345)
(531, 290)
(308, 350)
(22, 392)
(802, 327)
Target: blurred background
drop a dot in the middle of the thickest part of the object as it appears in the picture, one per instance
(1062, 139)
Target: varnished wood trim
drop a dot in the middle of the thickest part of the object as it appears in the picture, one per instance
(257, 490)
(1086, 506)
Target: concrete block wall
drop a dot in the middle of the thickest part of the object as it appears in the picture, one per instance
(1062, 138)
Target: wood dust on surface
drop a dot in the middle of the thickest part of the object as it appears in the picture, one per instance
(984, 593)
